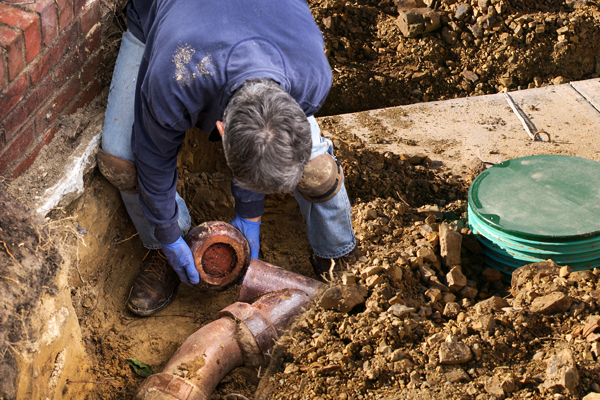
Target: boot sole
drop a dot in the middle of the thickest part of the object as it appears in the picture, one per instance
(147, 313)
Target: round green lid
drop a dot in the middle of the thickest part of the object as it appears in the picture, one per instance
(540, 197)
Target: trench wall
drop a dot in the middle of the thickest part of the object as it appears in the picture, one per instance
(50, 53)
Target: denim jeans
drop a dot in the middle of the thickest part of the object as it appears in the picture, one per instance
(116, 134)
(328, 224)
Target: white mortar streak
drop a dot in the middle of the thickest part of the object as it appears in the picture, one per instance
(72, 180)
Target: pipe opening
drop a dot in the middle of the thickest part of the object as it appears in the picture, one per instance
(219, 259)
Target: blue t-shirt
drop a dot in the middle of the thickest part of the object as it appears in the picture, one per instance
(197, 54)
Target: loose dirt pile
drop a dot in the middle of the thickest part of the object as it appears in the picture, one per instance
(436, 322)
(480, 47)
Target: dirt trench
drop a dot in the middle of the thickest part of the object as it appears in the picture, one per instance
(374, 66)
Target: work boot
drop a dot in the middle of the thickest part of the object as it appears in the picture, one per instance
(154, 287)
(322, 266)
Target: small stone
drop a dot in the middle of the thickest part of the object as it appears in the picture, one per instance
(485, 323)
(491, 274)
(538, 356)
(373, 281)
(455, 279)
(343, 298)
(592, 396)
(396, 355)
(488, 306)
(434, 294)
(470, 75)
(451, 310)
(493, 386)
(428, 255)
(370, 214)
(450, 244)
(394, 272)
(553, 303)
(457, 375)
(468, 292)
(461, 317)
(595, 387)
(348, 278)
(291, 368)
(561, 372)
(417, 21)
(370, 271)
(400, 310)
(454, 353)
(461, 11)
(449, 297)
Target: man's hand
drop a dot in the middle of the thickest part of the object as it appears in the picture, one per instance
(251, 231)
(181, 259)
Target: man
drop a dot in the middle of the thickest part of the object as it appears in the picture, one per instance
(252, 72)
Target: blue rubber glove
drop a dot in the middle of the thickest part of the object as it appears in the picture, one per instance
(251, 231)
(181, 259)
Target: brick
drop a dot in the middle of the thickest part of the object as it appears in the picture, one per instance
(29, 23)
(24, 165)
(46, 9)
(12, 42)
(25, 110)
(65, 13)
(3, 77)
(55, 107)
(54, 55)
(90, 17)
(13, 94)
(89, 94)
(91, 68)
(16, 148)
(73, 63)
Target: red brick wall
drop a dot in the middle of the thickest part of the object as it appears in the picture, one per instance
(49, 53)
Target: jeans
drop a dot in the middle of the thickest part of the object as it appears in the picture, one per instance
(328, 224)
(116, 134)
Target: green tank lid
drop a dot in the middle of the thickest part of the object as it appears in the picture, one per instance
(542, 198)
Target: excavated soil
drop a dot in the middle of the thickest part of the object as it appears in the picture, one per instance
(391, 345)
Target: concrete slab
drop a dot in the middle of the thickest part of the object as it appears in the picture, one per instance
(590, 89)
(455, 131)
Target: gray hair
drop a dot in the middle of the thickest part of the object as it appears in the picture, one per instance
(267, 139)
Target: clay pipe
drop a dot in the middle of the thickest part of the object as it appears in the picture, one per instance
(221, 253)
(262, 277)
(261, 323)
(197, 366)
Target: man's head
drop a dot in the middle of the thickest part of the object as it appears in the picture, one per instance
(266, 137)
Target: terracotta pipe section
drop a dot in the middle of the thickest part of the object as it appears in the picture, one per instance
(266, 319)
(197, 366)
(221, 253)
(262, 277)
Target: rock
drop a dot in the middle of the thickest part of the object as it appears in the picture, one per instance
(394, 272)
(348, 278)
(551, 304)
(581, 276)
(451, 310)
(538, 356)
(343, 298)
(450, 242)
(370, 215)
(470, 75)
(373, 281)
(468, 292)
(400, 310)
(370, 271)
(429, 256)
(488, 306)
(449, 36)
(493, 386)
(455, 279)
(434, 294)
(457, 375)
(531, 273)
(561, 373)
(491, 274)
(485, 323)
(396, 355)
(564, 271)
(592, 396)
(426, 272)
(454, 353)
(462, 10)
(417, 21)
